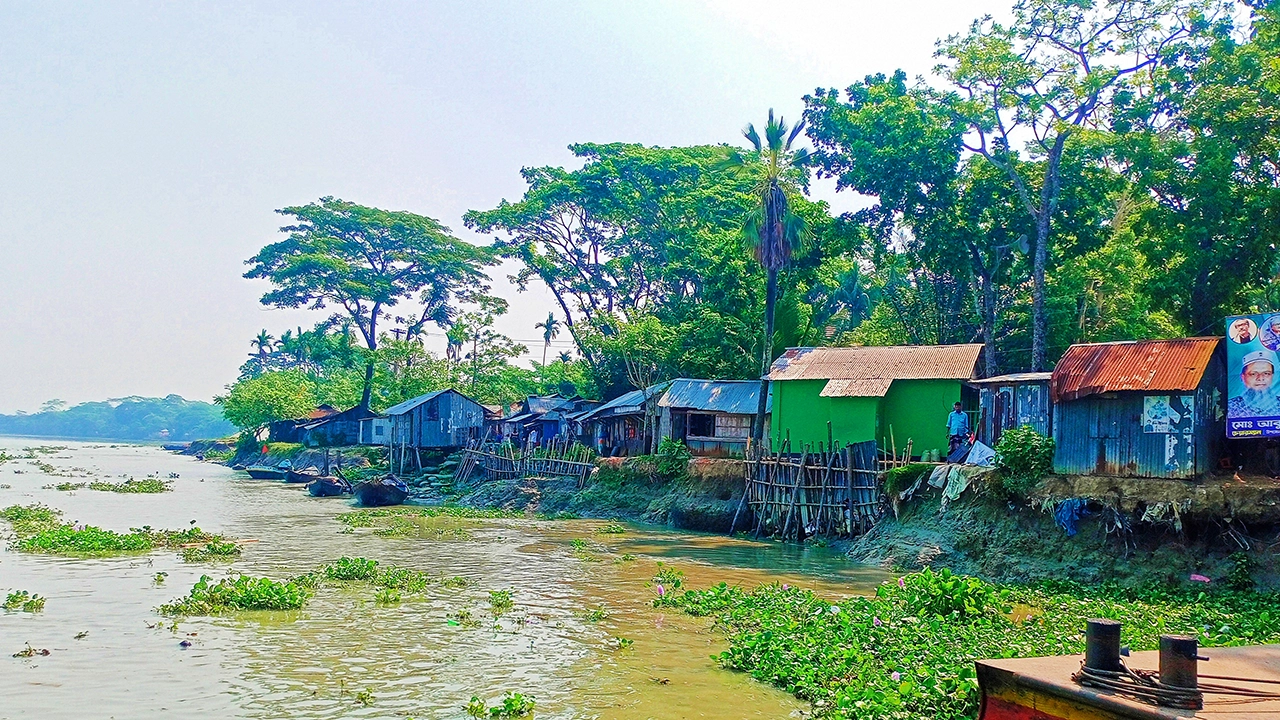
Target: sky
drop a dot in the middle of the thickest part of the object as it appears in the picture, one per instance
(145, 146)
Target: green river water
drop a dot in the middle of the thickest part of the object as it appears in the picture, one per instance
(313, 663)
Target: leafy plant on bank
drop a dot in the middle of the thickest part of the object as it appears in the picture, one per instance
(901, 478)
(672, 458)
(909, 651)
(1024, 457)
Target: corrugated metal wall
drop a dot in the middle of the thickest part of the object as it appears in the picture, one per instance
(448, 420)
(1011, 406)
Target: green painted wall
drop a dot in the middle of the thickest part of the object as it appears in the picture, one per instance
(917, 410)
(798, 408)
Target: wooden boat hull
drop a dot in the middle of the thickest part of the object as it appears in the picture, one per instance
(389, 490)
(328, 487)
(265, 473)
(293, 476)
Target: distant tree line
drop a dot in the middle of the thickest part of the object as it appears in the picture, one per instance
(130, 418)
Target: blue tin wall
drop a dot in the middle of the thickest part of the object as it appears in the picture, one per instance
(1004, 407)
(1105, 435)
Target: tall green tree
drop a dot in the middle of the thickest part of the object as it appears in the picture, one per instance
(772, 229)
(1056, 71)
(550, 329)
(365, 261)
(264, 342)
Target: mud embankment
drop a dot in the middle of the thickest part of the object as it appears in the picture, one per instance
(704, 498)
(1127, 530)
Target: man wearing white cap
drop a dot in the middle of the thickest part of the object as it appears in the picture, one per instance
(1259, 399)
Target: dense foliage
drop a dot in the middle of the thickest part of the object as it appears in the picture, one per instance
(131, 418)
(909, 651)
(1023, 456)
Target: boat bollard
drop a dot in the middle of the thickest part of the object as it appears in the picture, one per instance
(1102, 645)
(1178, 669)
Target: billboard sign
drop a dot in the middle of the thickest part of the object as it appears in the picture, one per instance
(1253, 376)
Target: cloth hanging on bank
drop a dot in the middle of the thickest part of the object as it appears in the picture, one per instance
(1069, 512)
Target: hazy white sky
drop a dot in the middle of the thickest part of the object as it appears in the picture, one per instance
(144, 146)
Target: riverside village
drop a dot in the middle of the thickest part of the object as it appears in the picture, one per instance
(952, 393)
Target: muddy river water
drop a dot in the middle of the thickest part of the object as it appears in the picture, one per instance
(344, 655)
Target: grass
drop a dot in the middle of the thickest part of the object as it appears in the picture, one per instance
(239, 593)
(909, 651)
(39, 529)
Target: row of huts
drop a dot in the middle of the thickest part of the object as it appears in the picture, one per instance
(1141, 408)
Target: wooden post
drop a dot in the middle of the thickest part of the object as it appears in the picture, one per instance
(795, 497)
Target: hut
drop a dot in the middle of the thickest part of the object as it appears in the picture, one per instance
(544, 415)
(1147, 408)
(1011, 401)
(617, 428)
(335, 429)
(893, 395)
(290, 430)
(711, 417)
(437, 420)
(375, 430)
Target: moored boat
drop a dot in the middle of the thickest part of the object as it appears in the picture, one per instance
(300, 476)
(266, 472)
(328, 486)
(387, 490)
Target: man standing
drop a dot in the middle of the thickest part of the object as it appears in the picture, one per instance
(957, 429)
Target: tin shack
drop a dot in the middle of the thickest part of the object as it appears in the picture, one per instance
(617, 428)
(1145, 408)
(1010, 401)
(440, 419)
(711, 417)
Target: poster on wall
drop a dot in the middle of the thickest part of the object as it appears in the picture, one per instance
(1168, 414)
(1253, 397)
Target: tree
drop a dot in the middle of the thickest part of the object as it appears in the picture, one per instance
(264, 342)
(550, 328)
(491, 351)
(1054, 73)
(366, 261)
(254, 403)
(772, 229)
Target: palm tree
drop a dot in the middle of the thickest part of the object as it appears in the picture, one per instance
(550, 328)
(264, 342)
(772, 230)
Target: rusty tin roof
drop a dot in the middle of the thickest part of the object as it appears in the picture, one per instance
(1139, 365)
(895, 362)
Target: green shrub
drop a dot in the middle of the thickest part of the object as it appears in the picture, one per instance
(672, 459)
(1023, 456)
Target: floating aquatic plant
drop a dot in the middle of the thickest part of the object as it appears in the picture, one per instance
(215, 550)
(30, 652)
(40, 530)
(514, 705)
(23, 601)
(131, 486)
(612, 528)
(500, 602)
(239, 593)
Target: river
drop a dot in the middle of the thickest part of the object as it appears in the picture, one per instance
(319, 661)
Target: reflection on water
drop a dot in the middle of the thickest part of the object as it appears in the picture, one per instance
(318, 662)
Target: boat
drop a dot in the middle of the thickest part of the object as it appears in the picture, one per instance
(265, 472)
(387, 490)
(300, 476)
(328, 486)
(239, 466)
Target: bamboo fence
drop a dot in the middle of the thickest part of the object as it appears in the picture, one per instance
(824, 491)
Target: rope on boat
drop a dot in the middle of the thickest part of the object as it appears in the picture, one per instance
(1145, 685)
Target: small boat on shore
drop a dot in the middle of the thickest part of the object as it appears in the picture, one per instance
(387, 490)
(300, 476)
(328, 486)
(266, 472)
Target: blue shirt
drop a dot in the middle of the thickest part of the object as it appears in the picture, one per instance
(957, 423)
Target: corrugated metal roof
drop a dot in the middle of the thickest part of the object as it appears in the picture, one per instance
(412, 403)
(1014, 378)
(895, 362)
(866, 387)
(630, 402)
(1142, 365)
(739, 397)
(547, 403)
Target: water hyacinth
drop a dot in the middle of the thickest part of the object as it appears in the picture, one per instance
(909, 651)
